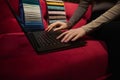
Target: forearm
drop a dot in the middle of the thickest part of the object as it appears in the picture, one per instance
(80, 11)
(106, 17)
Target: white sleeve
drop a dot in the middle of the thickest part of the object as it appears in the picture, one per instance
(106, 17)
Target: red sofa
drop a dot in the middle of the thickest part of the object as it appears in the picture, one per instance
(19, 61)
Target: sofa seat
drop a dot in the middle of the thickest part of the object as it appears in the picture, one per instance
(19, 61)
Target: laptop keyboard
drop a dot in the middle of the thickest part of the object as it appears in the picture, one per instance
(47, 41)
(47, 38)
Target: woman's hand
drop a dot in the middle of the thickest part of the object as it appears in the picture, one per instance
(72, 35)
(57, 26)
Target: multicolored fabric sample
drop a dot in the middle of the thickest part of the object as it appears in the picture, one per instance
(56, 11)
(30, 13)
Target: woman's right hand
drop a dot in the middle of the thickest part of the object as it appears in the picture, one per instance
(58, 25)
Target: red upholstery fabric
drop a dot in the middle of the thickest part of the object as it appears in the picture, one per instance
(7, 20)
(19, 61)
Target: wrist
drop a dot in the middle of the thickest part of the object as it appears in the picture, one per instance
(86, 30)
(69, 25)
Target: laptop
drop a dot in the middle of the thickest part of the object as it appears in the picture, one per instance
(42, 41)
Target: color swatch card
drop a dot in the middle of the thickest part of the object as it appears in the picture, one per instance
(56, 11)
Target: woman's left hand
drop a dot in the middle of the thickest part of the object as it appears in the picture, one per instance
(72, 35)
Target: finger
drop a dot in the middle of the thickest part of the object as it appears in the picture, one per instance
(61, 35)
(59, 28)
(51, 26)
(76, 37)
(68, 36)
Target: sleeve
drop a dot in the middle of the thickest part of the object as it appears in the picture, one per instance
(106, 17)
(80, 11)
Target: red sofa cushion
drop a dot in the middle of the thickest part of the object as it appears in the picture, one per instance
(19, 61)
(7, 20)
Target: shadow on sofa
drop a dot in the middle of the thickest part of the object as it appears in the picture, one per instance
(19, 61)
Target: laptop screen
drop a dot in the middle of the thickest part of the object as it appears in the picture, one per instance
(31, 15)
